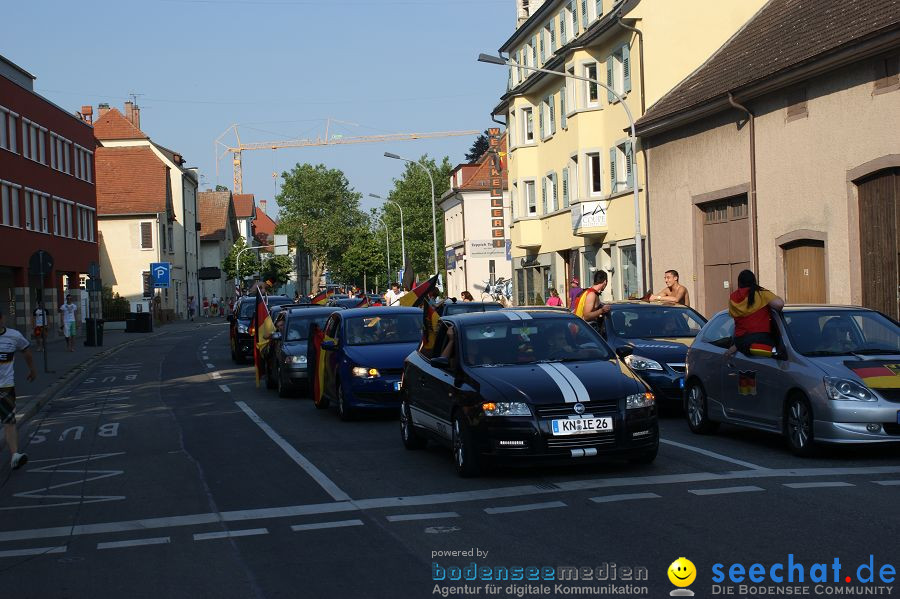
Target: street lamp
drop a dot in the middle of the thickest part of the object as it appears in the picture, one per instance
(402, 235)
(237, 260)
(387, 241)
(433, 216)
(638, 246)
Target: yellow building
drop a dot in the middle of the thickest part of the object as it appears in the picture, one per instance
(570, 167)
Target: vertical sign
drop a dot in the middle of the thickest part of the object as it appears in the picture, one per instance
(498, 230)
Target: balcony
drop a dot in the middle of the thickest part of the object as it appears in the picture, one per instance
(527, 233)
(589, 218)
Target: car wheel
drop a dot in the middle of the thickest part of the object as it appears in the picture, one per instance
(411, 438)
(344, 411)
(697, 411)
(270, 378)
(798, 429)
(464, 454)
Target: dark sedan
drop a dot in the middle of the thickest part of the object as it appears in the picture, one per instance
(659, 336)
(286, 363)
(512, 386)
(239, 333)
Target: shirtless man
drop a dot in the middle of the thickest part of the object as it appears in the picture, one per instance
(674, 292)
(595, 310)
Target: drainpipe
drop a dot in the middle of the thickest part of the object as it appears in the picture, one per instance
(753, 218)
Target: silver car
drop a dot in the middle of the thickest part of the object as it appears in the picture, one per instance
(834, 378)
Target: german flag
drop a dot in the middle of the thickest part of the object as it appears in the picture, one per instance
(581, 302)
(877, 375)
(429, 329)
(746, 382)
(761, 350)
(322, 298)
(316, 363)
(262, 328)
(419, 294)
(363, 303)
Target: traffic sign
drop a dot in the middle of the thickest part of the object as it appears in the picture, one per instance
(40, 264)
(281, 245)
(93, 270)
(160, 274)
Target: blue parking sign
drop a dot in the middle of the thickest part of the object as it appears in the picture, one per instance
(159, 274)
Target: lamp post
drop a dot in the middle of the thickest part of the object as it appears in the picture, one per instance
(237, 259)
(387, 241)
(402, 235)
(433, 216)
(638, 245)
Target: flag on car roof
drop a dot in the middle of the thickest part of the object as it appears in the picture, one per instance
(419, 294)
(323, 297)
(261, 329)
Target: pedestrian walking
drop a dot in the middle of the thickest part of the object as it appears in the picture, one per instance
(69, 322)
(12, 341)
(205, 307)
(214, 305)
(192, 307)
(751, 307)
(554, 299)
(574, 292)
(674, 292)
(40, 324)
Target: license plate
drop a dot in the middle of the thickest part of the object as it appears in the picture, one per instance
(581, 426)
(397, 386)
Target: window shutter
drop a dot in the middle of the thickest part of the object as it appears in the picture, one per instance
(599, 8)
(544, 195)
(626, 68)
(562, 108)
(543, 50)
(612, 170)
(574, 18)
(541, 120)
(552, 114)
(565, 187)
(609, 78)
(534, 51)
(562, 27)
(146, 236)
(584, 15)
(555, 181)
(628, 164)
(552, 37)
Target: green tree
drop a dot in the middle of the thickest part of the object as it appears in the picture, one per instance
(318, 208)
(276, 269)
(479, 147)
(222, 188)
(249, 261)
(364, 258)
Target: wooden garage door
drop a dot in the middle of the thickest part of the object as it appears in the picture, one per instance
(726, 249)
(879, 222)
(804, 272)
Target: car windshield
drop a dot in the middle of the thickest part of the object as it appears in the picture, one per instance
(248, 305)
(842, 332)
(531, 342)
(654, 322)
(466, 307)
(298, 326)
(384, 328)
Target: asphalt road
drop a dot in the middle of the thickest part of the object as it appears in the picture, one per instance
(165, 472)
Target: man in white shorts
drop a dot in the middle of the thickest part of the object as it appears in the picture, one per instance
(68, 310)
(12, 341)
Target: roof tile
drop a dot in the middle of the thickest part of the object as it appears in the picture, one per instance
(114, 125)
(130, 180)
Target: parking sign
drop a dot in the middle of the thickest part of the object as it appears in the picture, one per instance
(159, 274)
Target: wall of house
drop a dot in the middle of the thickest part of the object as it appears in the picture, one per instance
(122, 261)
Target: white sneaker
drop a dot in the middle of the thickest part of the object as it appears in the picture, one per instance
(18, 460)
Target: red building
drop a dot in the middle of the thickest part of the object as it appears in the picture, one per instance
(48, 199)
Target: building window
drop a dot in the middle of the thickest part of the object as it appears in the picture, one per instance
(592, 90)
(36, 216)
(528, 123)
(571, 103)
(513, 199)
(595, 174)
(551, 33)
(530, 198)
(564, 26)
(86, 223)
(620, 167)
(8, 123)
(170, 231)
(542, 41)
(584, 14)
(549, 196)
(83, 163)
(618, 72)
(146, 236)
(572, 177)
(33, 141)
(548, 117)
(9, 204)
(512, 129)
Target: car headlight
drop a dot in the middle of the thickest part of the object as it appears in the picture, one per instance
(642, 363)
(505, 408)
(639, 400)
(295, 359)
(845, 389)
(242, 328)
(365, 373)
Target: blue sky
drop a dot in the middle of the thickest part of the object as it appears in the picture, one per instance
(276, 67)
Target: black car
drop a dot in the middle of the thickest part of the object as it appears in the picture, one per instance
(450, 308)
(239, 324)
(659, 335)
(515, 386)
(345, 302)
(286, 364)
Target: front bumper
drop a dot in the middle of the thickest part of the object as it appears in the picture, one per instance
(243, 345)
(296, 373)
(667, 386)
(375, 394)
(847, 422)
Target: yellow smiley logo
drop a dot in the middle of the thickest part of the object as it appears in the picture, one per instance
(682, 572)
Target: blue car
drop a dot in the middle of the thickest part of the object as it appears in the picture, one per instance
(364, 351)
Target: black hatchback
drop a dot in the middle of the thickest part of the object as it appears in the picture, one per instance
(239, 333)
(518, 386)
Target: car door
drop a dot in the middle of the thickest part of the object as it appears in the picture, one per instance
(332, 357)
(437, 383)
(707, 357)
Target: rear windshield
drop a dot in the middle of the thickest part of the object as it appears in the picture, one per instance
(385, 328)
(298, 326)
(653, 322)
(466, 307)
(532, 342)
(842, 332)
(248, 306)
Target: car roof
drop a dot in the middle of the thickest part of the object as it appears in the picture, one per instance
(541, 308)
(507, 315)
(645, 304)
(380, 311)
(813, 308)
(312, 309)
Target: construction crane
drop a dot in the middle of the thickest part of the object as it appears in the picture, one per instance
(328, 140)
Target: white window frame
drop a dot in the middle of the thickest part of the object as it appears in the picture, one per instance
(10, 120)
(527, 117)
(550, 179)
(567, 21)
(593, 159)
(511, 129)
(587, 104)
(571, 89)
(574, 188)
(513, 198)
(530, 198)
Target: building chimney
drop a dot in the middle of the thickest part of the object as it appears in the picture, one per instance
(102, 109)
(129, 111)
(87, 113)
(137, 117)
(262, 205)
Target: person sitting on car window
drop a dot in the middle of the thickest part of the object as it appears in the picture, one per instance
(751, 307)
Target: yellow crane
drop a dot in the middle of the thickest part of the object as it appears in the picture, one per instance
(328, 140)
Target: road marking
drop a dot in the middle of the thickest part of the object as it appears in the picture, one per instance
(80, 474)
(134, 543)
(434, 516)
(625, 497)
(821, 485)
(208, 365)
(228, 534)
(713, 454)
(524, 508)
(887, 483)
(215, 375)
(34, 551)
(725, 490)
(317, 475)
(434, 499)
(321, 525)
(225, 388)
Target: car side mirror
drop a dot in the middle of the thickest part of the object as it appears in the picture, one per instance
(329, 345)
(276, 335)
(624, 351)
(440, 362)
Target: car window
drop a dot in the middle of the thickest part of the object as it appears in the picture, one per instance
(247, 308)
(842, 332)
(530, 342)
(298, 326)
(383, 328)
(331, 326)
(719, 331)
(653, 322)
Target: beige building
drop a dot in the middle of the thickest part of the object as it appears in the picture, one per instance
(218, 231)
(781, 153)
(571, 167)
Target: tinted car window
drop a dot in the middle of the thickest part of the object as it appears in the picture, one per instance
(249, 304)
(247, 308)
(550, 340)
(842, 332)
(655, 322)
(298, 326)
(386, 328)
(466, 307)
(719, 331)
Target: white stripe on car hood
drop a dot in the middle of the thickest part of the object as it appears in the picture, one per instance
(581, 392)
(564, 386)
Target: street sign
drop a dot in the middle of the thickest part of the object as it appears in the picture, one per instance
(94, 284)
(281, 245)
(159, 274)
(93, 270)
(40, 264)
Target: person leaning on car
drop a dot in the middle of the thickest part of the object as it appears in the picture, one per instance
(751, 307)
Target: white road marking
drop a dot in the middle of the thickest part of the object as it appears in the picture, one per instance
(317, 475)
(215, 375)
(134, 543)
(713, 454)
(625, 497)
(321, 525)
(887, 483)
(564, 387)
(228, 534)
(33, 551)
(81, 476)
(225, 388)
(725, 490)
(435, 499)
(821, 485)
(509, 509)
(208, 365)
(434, 516)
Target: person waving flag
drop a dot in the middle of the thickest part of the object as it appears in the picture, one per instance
(261, 329)
(419, 294)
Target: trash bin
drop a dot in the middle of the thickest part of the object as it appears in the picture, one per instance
(93, 330)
